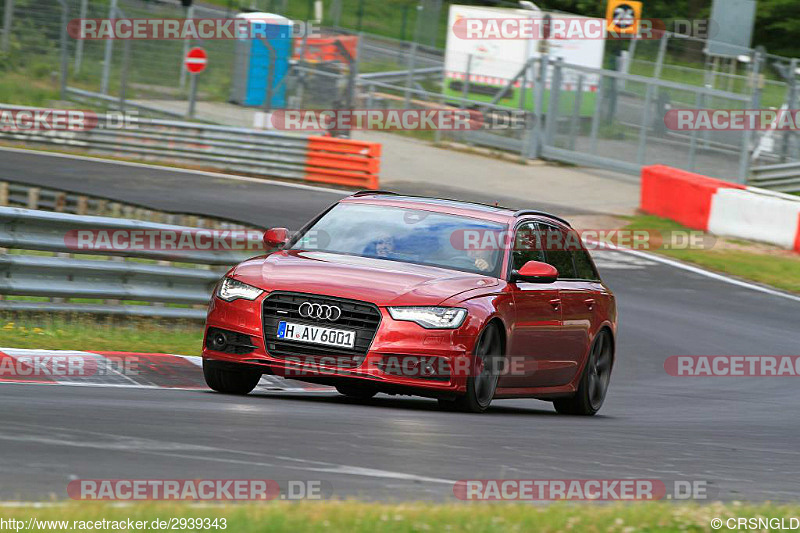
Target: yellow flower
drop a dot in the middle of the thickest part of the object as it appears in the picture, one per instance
(9, 326)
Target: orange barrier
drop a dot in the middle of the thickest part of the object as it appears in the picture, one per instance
(343, 162)
(679, 195)
(324, 49)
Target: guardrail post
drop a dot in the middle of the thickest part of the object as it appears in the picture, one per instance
(4, 193)
(82, 206)
(33, 198)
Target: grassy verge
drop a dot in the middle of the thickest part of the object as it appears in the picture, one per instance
(355, 517)
(27, 90)
(759, 263)
(81, 333)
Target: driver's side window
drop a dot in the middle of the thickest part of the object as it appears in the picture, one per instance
(527, 246)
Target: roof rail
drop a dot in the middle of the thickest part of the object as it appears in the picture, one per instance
(367, 191)
(522, 212)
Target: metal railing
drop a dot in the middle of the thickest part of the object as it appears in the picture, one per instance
(784, 177)
(255, 152)
(225, 148)
(147, 277)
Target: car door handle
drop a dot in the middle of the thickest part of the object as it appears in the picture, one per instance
(555, 303)
(589, 302)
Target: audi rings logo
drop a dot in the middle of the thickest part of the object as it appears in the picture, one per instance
(320, 311)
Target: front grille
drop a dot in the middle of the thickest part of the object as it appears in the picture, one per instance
(361, 317)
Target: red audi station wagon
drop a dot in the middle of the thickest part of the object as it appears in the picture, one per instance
(397, 294)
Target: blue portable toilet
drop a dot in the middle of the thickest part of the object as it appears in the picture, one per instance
(252, 60)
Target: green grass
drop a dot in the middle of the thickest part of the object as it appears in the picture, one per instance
(23, 89)
(780, 270)
(358, 517)
(82, 333)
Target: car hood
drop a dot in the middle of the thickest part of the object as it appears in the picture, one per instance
(379, 281)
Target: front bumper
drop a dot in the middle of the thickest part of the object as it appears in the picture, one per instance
(402, 355)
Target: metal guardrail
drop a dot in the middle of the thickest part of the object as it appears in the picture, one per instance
(258, 152)
(62, 276)
(783, 177)
(401, 75)
(233, 149)
(13, 194)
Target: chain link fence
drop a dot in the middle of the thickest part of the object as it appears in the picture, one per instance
(611, 117)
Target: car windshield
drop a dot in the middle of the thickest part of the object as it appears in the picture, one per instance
(407, 235)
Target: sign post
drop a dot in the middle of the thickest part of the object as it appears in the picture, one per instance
(195, 62)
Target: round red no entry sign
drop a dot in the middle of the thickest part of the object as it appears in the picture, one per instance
(196, 60)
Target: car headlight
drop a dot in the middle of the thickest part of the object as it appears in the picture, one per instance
(431, 317)
(230, 290)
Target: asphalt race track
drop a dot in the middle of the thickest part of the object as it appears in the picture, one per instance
(739, 435)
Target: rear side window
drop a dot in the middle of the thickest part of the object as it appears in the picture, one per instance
(557, 251)
(584, 266)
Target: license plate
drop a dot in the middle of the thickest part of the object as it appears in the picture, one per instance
(316, 335)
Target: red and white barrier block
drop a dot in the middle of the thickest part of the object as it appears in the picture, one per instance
(120, 369)
(723, 208)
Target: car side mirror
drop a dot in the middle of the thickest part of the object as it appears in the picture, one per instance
(276, 237)
(535, 272)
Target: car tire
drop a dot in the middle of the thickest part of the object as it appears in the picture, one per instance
(229, 381)
(480, 388)
(355, 391)
(594, 381)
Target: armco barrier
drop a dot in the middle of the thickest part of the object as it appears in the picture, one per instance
(679, 195)
(264, 153)
(31, 275)
(720, 207)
